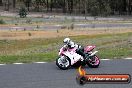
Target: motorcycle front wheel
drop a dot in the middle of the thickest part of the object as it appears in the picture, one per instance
(63, 62)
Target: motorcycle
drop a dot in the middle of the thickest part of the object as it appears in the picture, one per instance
(69, 57)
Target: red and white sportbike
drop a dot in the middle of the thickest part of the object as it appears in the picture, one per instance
(69, 57)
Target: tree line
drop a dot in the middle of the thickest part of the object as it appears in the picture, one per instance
(87, 7)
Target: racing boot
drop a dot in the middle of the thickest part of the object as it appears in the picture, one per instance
(86, 57)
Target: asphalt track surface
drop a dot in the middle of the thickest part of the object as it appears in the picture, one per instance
(48, 75)
(50, 27)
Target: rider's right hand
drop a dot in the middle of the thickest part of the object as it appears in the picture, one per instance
(64, 47)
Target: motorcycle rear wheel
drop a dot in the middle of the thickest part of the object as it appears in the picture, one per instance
(93, 62)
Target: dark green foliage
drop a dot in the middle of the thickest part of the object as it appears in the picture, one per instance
(99, 7)
(22, 12)
(2, 21)
(92, 7)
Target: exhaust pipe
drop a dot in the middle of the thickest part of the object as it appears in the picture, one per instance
(93, 53)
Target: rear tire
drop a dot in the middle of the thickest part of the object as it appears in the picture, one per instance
(61, 65)
(95, 63)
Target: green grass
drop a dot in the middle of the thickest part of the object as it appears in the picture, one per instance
(8, 59)
(114, 46)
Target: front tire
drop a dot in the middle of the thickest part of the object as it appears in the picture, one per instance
(63, 62)
(93, 62)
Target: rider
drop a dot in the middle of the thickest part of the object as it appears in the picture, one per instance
(68, 43)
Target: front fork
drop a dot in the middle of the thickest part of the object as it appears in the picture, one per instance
(90, 55)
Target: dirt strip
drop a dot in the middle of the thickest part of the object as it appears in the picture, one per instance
(16, 35)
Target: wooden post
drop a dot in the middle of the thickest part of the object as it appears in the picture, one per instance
(1, 3)
(14, 4)
(85, 7)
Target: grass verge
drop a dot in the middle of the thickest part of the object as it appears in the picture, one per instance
(113, 46)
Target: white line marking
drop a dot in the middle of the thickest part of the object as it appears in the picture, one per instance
(105, 59)
(2, 64)
(127, 58)
(55, 61)
(40, 62)
(18, 63)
